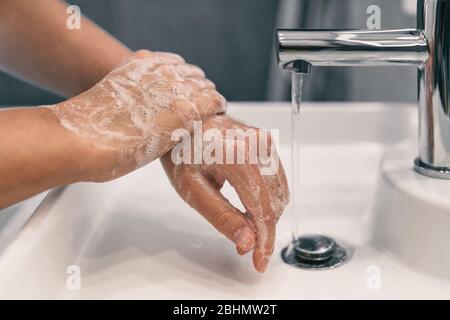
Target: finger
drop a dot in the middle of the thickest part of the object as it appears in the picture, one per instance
(141, 64)
(186, 111)
(219, 181)
(210, 84)
(279, 190)
(188, 87)
(264, 246)
(273, 172)
(144, 61)
(180, 80)
(217, 177)
(255, 195)
(163, 57)
(200, 83)
(243, 252)
(186, 70)
(142, 54)
(201, 194)
(169, 58)
(209, 102)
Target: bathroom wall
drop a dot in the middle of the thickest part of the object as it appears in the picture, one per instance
(232, 41)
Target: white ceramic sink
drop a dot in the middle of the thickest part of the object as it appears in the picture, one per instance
(412, 213)
(134, 238)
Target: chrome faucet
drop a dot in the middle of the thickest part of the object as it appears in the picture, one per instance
(427, 47)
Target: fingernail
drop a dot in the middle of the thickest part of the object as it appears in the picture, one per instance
(240, 251)
(262, 265)
(244, 239)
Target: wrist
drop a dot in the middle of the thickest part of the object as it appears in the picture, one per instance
(85, 161)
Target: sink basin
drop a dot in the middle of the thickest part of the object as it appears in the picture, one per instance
(134, 238)
(13, 218)
(412, 213)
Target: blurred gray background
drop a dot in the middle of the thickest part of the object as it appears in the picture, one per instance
(233, 41)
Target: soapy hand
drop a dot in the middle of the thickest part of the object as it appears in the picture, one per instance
(128, 117)
(263, 193)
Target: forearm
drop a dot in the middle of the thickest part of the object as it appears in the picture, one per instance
(111, 129)
(37, 153)
(37, 46)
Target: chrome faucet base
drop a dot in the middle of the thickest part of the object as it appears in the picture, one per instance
(432, 172)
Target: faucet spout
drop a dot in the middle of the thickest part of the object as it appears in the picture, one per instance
(427, 47)
(352, 47)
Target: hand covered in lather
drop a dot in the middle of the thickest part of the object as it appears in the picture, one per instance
(127, 119)
(261, 187)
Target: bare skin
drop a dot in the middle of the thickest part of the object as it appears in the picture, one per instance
(36, 152)
(122, 123)
(36, 46)
(263, 196)
(129, 116)
(116, 121)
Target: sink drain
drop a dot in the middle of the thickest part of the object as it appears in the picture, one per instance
(314, 252)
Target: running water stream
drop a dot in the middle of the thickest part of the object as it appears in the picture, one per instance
(296, 93)
(306, 251)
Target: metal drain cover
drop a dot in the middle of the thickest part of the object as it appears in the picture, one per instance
(314, 252)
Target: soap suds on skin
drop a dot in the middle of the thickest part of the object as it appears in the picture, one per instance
(128, 108)
(269, 193)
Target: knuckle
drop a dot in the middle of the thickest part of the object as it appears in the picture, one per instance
(221, 219)
(164, 69)
(195, 69)
(142, 53)
(218, 101)
(170, 56)
(177, 57)
(209, 84)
